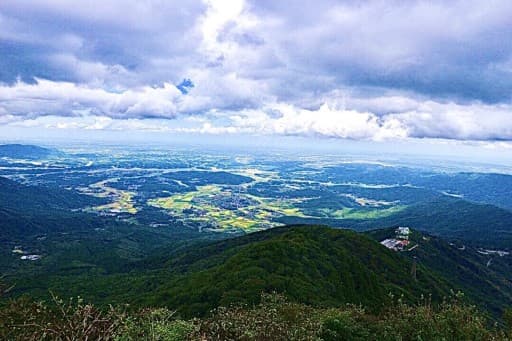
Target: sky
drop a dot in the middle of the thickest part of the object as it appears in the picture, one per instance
(380, 71)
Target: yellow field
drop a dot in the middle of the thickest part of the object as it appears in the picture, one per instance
(123, 200)
(202, 201)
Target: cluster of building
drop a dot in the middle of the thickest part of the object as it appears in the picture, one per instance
(25, 256)
(493, 252)
(401, 240)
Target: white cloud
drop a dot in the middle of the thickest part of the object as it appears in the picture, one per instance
(69, 99)
(219, 14)
(341, 115)
(360, 70)
(92, 73)
(418, 119)
(324, 122)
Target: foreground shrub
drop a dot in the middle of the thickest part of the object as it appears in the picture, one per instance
(155, 324)
(346, 324)
(4, 288)
(273, 319)
(24, 319)
(452, 320)
(276, 319)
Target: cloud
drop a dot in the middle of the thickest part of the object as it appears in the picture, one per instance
(436, 48)
(342, 115)
(92, 73)
(347, 69)
(46, 97)
(416, 119)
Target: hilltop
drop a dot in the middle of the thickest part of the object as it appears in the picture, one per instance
(482, 275)
(308, 264)
(450, 218)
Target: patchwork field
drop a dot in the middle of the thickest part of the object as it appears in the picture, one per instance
(225, 192)
(122, 201)
(217, 207)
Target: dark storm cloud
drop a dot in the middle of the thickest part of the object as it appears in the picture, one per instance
(458, 49)
(130, 34)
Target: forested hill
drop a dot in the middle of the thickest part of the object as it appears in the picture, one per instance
(452, 218)
(26, 211)
(23, 151)
(483, 276)
(314, 265)
(477, 224)
(35, 199)
(309, 264)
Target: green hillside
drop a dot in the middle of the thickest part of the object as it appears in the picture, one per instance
(48, 222)
(450, 218)
(308, 264)
(485, 279)
(37, 199)
(478, 224)
(22, 151)
(316, 270)
(30, 211)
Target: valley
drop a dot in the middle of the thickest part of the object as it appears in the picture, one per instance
(106, 224)
(232, 191)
